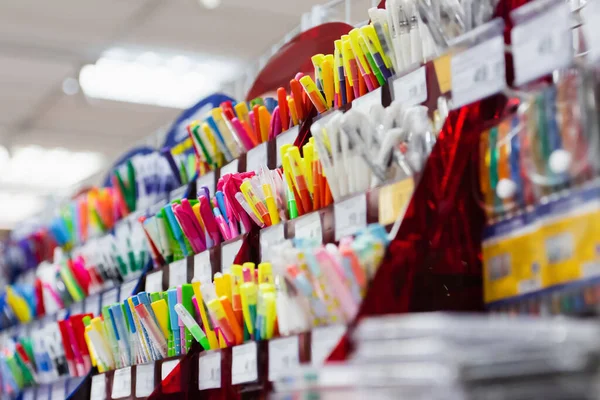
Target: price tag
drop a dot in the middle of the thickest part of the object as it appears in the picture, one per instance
(58, 391)
(178, 273)
(478, 72)
(541, 44)
(228, 254)
(207, 180)
(77, 308)
(411, 89)
(244, 364)
(43, 393)
(154, 209)
(270, 238)
(365, 102)
(530, 285)
(590, 14)
(230, 168)
(393, 200)
(154, 281)
(98, 391)
(350, 215)
(287, 137)
(144, 380)
(92, 304)
(167, 368)
(127, 289)
(256, 157)
(209, 370)
(29, 394)
(121, 383)
(283, 355)
(202, 267)
(110, 297)
(323, 341)
(178, 193)
(309, 227)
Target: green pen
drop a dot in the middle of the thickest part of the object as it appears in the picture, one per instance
(197, 136)
(371, 61)
(494, 156)
(192, 326)
(292, 208)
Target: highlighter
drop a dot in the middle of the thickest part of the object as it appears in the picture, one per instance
(133, 302)
(307, 167)
(265, 273)
(264, 121)
(283, 108)
(161, 311)
(192, 326)
(187, 292)
(270, 306)
(317, 60)
(249, 295)
(159, 343)
(350, 67)
(206, 323)
(182, 342)
(257, 206)
(236, 299)
(227, 285)
(271, 205)
(218, 313)
(299, 179)
(363, 64)
(241, 109)
(328, 81)
(314, 94)
(174, 322)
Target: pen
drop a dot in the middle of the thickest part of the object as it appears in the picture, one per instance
(283, 108)
(155, 335)
(175, 350)
(314, 94)
(193, 326)
(206, 322)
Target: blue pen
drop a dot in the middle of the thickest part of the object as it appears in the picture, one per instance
(144, 298)
(116, 313)
(177, 232)
(222, 146)
(174, 321)
(221, 203)
(270, 103)
(137, 342)
(153, 352)
(123, 353)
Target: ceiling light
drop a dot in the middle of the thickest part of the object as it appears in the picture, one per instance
(70, 86)
(150, 78)
(210, 4)
(17, 207)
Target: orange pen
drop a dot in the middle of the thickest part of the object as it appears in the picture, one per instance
(265, 122)
(293, 112)
(296, 89)
(299, 179)
(316, 182)
(313, 93)
(283, 109)
(251, 133)
(256, 115)
(233, 321)
(362, 86)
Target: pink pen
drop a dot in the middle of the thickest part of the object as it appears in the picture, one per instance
(222, 224)
(232, 220)
(79, 364)
(181, 324)
(332, 271)
(209, 219)
(242, 134)
(54, 295)
(275, 124)
(192, 231)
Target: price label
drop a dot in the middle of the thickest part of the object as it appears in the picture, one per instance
(144, 380)
(393, 200)
(270, 238)
(529, 285)
(207, 180)
(478, 72)
(541, 44)
(323, 341)
(154, 209)
(590, 269)
(58, 391)
(365, 102)
(43, 393)
(309, 227)
(244, 364)
(154, 281)
(127, 289)
(178, 273)
(209, 370)
(283, 355)
(350, 216)
(178, 193)
(167, 368)
(411, 89)
(121, 383)
(287, 137)
(590, 15)
(29, 394)
(202, 267)
(110, 297)
(228, 254)
(230, 168)
(256, 157)
(98, 391)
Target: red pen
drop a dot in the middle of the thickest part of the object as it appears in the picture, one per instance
(228, 110)
(256, 121)
(283, 109)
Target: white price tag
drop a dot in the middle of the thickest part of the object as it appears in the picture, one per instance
(98, 391)
(154, 281)
(529, 285)
(590, 269)
(350, 215)
(270, 238)
(29, 394)
(58, 391)
(110, 297)
(323, 341)
(144, 380)
(256, 157)
(365, 102)
(244, 364)
(228, 254)
(167, 368)
(178, 193)
(287, 137)
(283, 355)
(209, 370)
(411, 89)
(202, 267)
(590, 14)
(121, 383)
(309, 227)
(542, 44)
(127, 289)
(478, 72)
(178, 273)
(207, 180)
(230, 168)
(43, 393)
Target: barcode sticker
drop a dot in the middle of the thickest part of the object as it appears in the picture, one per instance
(411, 89)
(121, 383)
(244, 364)
(283, 355)
(209, 370)
(350, 216)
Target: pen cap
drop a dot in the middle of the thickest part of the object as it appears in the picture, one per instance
(250, 266)
(187, 292)
(184, 315)
(219, 284)
(161, 310)
(209, 292)
(227, 285)
(172, 299)
(265, 273)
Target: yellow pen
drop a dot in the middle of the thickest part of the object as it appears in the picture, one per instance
(206, 323)
(161, 310)
(314, 93)
(370, 35)
(358, 52)
(271, 313)
(271, 205)
(317, 61)
(228, 138)
(18, 305)
(196, 210)
(249, 296)
(241, 109)
(216, 147)
(308, 151)
(293, 113)
(327, 77)
(258, 208)
(265, 273)
(219, 284)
